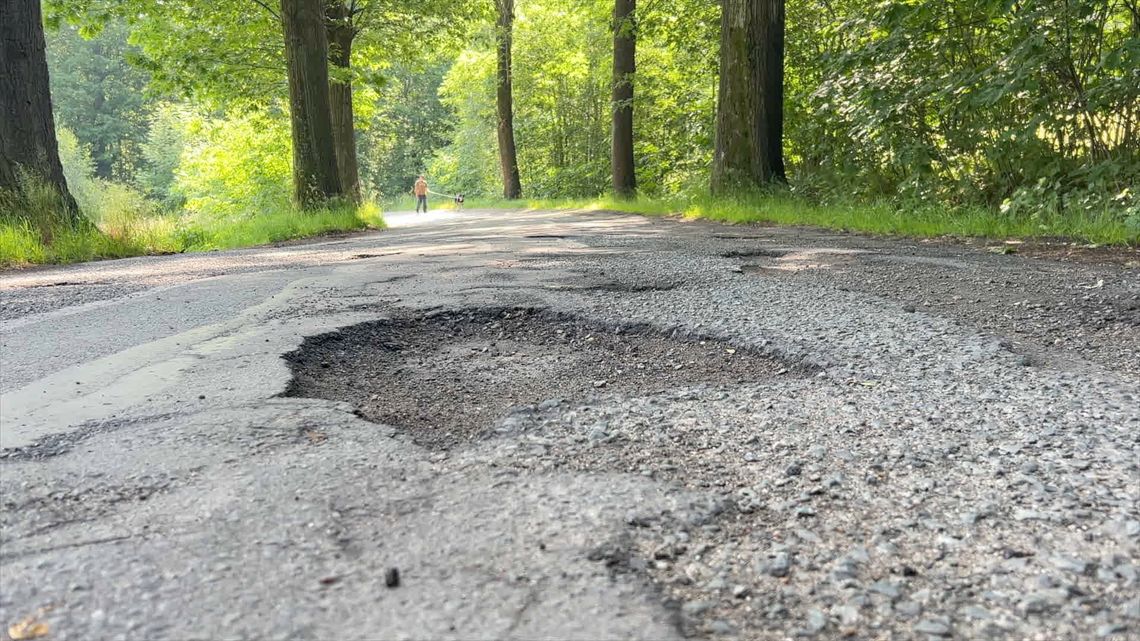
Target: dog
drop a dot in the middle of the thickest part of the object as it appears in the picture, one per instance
(459, 202)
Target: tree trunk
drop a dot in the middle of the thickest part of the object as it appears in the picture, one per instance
(28, 146)
(508, 158)
(750, 105)
(315, 176)
(625, 47)
(341, 33)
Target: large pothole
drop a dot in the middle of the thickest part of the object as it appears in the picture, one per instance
(450, 376)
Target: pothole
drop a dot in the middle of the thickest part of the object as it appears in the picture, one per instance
(616, 286)
(450, 376)
(755, 253)
(765, 270)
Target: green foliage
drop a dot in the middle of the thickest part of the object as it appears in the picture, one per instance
(162, 150)
(470, 164)
(99, 96)
(404, 130)
(562, 100)
(242, 158)
(234, 167)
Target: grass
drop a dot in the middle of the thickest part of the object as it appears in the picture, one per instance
(927, 221)
(277, 226)
(33, 231)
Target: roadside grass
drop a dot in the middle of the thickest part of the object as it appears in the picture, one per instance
(1105, 228)
(276, 226)
(33, 232)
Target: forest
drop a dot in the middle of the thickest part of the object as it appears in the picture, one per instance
(160, 126)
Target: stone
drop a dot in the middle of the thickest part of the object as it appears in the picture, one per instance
(977, 613)
(908, 609)
(933, 627)
(816, 621)
(392, 577)
(885, 588)
(1070, 564)
(1109, 629)
(778, 565)
(720, 626)
(696, 608)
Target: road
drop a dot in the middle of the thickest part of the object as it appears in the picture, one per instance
(572, 425)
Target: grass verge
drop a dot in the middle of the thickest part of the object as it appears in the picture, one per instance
(1106, 228)
(25, 240)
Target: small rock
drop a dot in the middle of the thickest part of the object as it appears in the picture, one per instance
(750, 457)
(848, 614)
(908, 609)
(974, 612)
(793, 470)
(816, 621)
(201, 397)
(1109, 629)
(908, 309)
(720, 626)
(600, 384)
(695, 608)
(1070, 564)
(779, 565)
(933, 627)
(392, 577)
(740, 591)
(885, 588)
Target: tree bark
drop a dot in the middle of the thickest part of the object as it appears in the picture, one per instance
(508, 157)
(625, 48)
(28, 146)
(341, 33)
(750, 105)
(315, 176)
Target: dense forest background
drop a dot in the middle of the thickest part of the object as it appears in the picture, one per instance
(1026, 109)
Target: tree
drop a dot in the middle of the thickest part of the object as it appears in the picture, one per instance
(625, 47)
(750, 108)
(508, 157)
(28, 146)
(99, 95)
(316, 178)
(342, 31)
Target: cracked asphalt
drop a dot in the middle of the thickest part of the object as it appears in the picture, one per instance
(931, 441)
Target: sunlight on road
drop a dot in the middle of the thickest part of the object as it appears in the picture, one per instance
(413, 219)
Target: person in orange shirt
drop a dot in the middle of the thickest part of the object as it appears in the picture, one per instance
(421, 192)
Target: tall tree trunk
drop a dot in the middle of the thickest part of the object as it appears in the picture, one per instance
(750, 106)
(508, 157)
(28, 146)
(625, 48)
(315, 176)
(341, 33)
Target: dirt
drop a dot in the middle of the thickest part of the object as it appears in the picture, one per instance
(449, 377)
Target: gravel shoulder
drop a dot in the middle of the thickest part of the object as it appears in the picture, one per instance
(823, 436)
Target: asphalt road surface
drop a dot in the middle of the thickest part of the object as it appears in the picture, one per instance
(569, 425)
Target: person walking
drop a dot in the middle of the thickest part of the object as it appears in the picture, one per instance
(421, 192)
